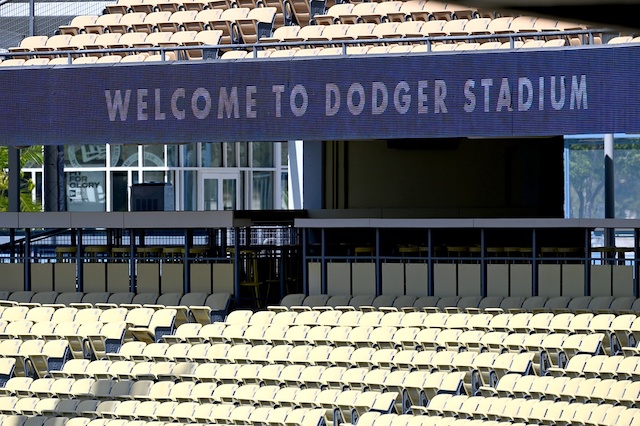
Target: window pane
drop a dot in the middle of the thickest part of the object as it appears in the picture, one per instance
(173, 155)
(284, 153)
(85, 155)
(85, 191)
(262, 191)
(152, 176)
(262, 154)
(153, 155)
(284, 182)
(124, 155)
(211, 155)
(244, 154)
(190, 155)
(230, 160)
(190, 190)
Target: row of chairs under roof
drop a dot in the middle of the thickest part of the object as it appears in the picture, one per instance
(212, 31)
(621, 304)
(288, 53)
(113, 299)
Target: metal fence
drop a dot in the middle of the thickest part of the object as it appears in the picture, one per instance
(22, 18)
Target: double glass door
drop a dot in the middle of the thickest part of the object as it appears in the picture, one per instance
(219, 191)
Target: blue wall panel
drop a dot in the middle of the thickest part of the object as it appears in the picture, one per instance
(502, 93)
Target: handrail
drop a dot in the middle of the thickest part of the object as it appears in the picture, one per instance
(255, 47)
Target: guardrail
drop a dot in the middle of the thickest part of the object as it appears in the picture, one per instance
(588, 39)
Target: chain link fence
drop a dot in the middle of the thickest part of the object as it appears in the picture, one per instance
(17, 22)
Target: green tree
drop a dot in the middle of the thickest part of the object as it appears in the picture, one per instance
(31, 155)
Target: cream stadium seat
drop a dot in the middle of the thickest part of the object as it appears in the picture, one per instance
(29, 44)
(126, 351)
(332, 15)
(77, 24)
(257, 24)
(86, 60)
(126, 24)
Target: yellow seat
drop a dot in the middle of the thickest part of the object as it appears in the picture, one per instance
(66, 253)
(249, 274)
(94, 253)
(172, 254)
(149, 254)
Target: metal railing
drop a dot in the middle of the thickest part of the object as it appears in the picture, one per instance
(588, 38)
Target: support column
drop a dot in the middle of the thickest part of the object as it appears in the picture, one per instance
(53, 178)
(14, 179)
(609, 189)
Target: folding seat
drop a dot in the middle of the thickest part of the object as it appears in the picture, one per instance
(557, 304)
(51, 356)
(576, 365)
(203, 392)
(126, 24)
(102, 41)
(162, 323)
(64, 314)
(628, 368)
(600, 414)
(628, 397)
(77, 24)
(248, 374)
(609, 367)
(127, 350)
(423, 339)
(227, 21)
(298, 299)
(515, 342)
(115, 313)
(622, 305)
(38, 330)
(98, 389)
(268, 375)
(183, 333)
(109, 340)
(101, 26)
(14, 313)
(392, 318)
(354, 15)
(370, 358)
(16, 329)
(109, 59)
(332, 15)
(258, 23)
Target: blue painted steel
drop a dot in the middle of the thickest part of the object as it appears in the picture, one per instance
(476, 94)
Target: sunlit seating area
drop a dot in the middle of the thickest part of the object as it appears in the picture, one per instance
(318, 360)
(128, 29)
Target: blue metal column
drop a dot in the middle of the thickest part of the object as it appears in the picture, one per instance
(305, 278)
(80, 261)
(483, 265)
(636, 264)
(236, 265)
(188, 235)
(378, 265)
(534, 263)
(323, 263)
(587, 263)
(132, 261)
(27, 259)
(430, 274)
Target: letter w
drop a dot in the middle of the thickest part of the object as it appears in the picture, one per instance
(117, 105)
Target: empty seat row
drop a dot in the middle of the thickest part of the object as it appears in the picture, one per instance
(622, 304)
(529, 411)
(201, 307)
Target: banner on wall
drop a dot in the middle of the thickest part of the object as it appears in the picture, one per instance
(468, 94)
(86, 191)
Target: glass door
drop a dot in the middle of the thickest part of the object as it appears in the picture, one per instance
(219, 191)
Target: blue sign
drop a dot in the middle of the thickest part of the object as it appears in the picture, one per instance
(467, 94)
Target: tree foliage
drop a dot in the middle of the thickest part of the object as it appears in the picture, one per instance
(32, 156)
(586, 177)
